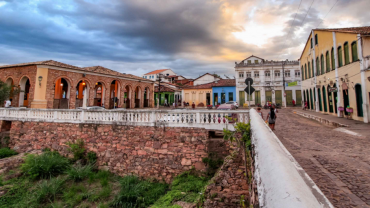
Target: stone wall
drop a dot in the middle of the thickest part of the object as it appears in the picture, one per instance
(155, 152)
(229, 186)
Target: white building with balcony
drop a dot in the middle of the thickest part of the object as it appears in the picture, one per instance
(269, 78)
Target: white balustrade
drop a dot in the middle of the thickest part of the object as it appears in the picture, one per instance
(210, 119)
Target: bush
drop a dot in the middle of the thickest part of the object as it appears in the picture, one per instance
(46, 165)
(6, 152)
(79, 172)
(138, 193)
(77, 148)
(46, 191)
(91, 157)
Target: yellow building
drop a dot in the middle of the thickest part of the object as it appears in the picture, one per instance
(198, 94)
(335, 71)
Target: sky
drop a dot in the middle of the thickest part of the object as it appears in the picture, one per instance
(191, 37)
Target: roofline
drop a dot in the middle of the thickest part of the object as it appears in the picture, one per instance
(253, 56)
(158, 72)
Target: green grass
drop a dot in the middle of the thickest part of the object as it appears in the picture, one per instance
(46, 165)
(185, 187)
(6, 152)
(79, 172)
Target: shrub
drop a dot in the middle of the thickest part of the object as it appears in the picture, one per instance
(79, 172)
(101, 175)
(46, 165)
(91, 157)
(46, 191)
(138, 193)
(6, 152)
(77, 148)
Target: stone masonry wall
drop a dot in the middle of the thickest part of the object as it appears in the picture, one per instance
(155, 152)
(229, 184)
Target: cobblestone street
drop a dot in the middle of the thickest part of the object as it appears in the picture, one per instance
(339, 163)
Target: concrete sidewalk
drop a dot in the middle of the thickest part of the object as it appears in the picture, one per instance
(352, 125)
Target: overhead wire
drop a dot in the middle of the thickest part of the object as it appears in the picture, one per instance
(326, 14)
(290, 28)
(307, 12)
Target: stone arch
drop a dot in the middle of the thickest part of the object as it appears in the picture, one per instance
(114, 93)
(98, 93)
(127, 93)
(62, 92)
(138, 93)
(82, 92)
(147, 96)
(25, 89)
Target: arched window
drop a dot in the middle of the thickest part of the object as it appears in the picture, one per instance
(318, 64)
(354, 51)
(305, 71)
(302, 73)
(309, 70)
(332, 59)
(313, 67)
(340, 57)
(327, 62)
(316, 40)
(322, 64)
(346, 53)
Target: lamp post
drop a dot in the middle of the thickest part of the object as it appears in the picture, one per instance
(160, 76)
(284, 82)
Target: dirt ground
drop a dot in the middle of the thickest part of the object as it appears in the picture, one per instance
(339, 163)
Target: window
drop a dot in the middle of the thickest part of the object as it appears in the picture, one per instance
(354, 51)
(267, 73)
(256, 74)
(231, 96)
(327, 62)
(313, 67)
(316, 40)
(168, 74)
(249, 61)
(302, 73)
(311, 43)
(340, 56)
(277, 74)
(322, 64)
(256, 61)
(241, 74)
(287, 73)
(249, 74)
(346, 53)
(318, 64)
(332, 59)
(297, 73)
(309, 70)
(305, 71)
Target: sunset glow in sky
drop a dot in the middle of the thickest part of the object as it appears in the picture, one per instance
(191, 37)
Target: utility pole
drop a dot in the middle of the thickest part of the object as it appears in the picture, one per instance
(284, 82)
(159, 89)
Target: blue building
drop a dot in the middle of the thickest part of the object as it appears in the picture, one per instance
(223, 91)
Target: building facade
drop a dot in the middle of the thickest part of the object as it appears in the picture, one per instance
(223, 91)
(154, 75)
(51, 84)
(274, 81)
(168, 94)
(198, 94)
(335, 68)
(206, 78)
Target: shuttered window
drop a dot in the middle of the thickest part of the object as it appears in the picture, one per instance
(322, 64)
(340, 57)
(327, 62)
(302, 74)
(318, 64)
(346, 54)
(309, 70)
(354, 51)
(305, 71)
(332, 59)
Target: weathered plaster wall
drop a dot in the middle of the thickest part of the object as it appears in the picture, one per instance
(154, 152)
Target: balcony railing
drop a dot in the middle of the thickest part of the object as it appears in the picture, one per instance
(208, 119)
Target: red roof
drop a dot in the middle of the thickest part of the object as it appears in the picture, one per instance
(219, 83)
(156, 71)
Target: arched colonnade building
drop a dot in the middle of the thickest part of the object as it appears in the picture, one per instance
(54, 85)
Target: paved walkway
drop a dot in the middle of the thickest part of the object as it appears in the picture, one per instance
(356, 126)
(338, 162)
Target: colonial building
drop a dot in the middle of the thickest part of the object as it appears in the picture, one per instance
(335, 67)
(273, 81)
(223, 91)
(51, 84)
(168, 93)
(206, 78)
(154, 75)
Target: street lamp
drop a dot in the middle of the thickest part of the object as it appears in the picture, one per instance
(160, 76)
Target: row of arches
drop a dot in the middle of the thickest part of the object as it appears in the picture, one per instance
(99, 94)
(24, 93)
(328, 100)
(326, 63)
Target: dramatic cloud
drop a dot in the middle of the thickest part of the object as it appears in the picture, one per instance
(191, 37)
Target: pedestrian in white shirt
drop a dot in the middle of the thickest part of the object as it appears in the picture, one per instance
(7, 104)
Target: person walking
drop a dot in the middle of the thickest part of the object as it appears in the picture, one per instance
(305, 105)
(259, 111)
(271, 118)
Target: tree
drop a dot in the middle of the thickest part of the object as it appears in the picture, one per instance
(6, 91)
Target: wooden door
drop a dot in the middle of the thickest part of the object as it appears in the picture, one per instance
(278, 97)
(298, 95)
(289, 97)
(241, 98)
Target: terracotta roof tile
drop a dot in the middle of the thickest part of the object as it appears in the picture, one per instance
(96, 69)
(219, 83)
(357, 30)
(156, 71)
